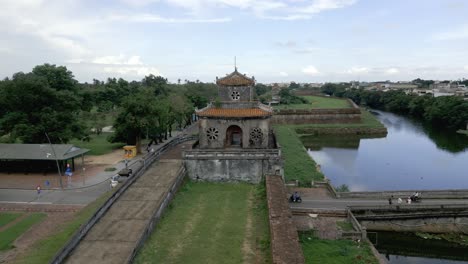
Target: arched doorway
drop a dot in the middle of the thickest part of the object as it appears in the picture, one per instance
(234, 136)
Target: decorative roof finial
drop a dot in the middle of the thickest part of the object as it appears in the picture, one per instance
(235, 64)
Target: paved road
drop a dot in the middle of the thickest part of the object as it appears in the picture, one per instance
(343, 203)
(78, 196)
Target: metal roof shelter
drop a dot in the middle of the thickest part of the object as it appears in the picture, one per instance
(29, 157)
(40, 151)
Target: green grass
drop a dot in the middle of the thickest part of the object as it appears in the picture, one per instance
(318, 102)
(98, 144)
(6, 218)
(367, 120)
(298, 165)
(9, 235)
(45, 249)
(335, 251)
(345, 226)
(206, 223)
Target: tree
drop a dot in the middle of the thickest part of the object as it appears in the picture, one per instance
(157, 83)
(139, 114)
(58, 77)
(31, 107)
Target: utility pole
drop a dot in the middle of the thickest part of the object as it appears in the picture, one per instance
(56, 160)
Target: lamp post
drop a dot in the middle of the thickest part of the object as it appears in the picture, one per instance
(56, 160)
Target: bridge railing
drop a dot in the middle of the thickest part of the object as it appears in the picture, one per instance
(138, 168)
(425, 194)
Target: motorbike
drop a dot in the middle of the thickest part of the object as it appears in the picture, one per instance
(415, 199)
(297, 200)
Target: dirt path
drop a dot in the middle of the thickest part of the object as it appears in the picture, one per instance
(248, 248)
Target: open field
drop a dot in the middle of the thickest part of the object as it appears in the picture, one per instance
(6, 218)
(11, 232)
(98, 144)
(45, 249)
(335, 251)
(318, 102)
(367, 121)
(212, 223)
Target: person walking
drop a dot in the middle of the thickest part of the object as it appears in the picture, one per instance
(390, 200)
(38, 188)
(400, 200)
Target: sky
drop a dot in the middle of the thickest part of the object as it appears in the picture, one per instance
(274, 41)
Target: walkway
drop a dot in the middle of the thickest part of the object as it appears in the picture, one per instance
(114, 237)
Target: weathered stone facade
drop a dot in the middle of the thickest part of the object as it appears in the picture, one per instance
(235, 139)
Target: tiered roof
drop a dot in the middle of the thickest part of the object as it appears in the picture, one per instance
(236, 79)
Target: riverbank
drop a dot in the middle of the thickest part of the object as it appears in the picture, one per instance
(298, 165)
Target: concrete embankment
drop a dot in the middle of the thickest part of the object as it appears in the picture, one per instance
(424, 194)
(414, 218)
(363, 131)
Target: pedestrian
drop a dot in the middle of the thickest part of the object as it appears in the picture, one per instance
(400, 200)
(38, 188)
(408, 200)
(390, 200)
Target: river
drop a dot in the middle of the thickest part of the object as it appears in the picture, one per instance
(411, 156)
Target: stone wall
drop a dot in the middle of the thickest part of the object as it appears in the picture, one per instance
(317, 116)
(221, 125)
(229, 93)
(243, 165)
(342, 131)
(285, 246)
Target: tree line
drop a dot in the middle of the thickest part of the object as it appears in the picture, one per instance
(50, 100)
(446, 111)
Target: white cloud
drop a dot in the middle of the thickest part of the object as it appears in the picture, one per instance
(151, 18)
(391, 71)
(318, 6)
(118, 60)
(456, 34)
(138, 3)
(358, 70)
(140, 70)
(466, 68)
(311, 70)
(284, 74)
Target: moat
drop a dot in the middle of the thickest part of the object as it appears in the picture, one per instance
(411, 156)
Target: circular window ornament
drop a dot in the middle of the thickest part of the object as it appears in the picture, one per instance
(212, 134)
(256, 134)
(235, 95)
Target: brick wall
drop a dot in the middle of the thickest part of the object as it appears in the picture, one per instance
(285, 247)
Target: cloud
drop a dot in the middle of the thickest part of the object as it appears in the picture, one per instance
(456, 34)
(118, 60)
(391, 71)
(138, 3)
(283, 74)
(286, 44)
(140, 70)
(358, 70)
(151, 18)
(318, 6)
(466, 68)
(311, 70)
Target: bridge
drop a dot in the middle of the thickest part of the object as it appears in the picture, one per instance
(439, 210)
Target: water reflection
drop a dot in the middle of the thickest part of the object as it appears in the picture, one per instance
(406, 248)
(411, 156)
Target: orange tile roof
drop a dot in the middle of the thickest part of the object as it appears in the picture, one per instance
(234, 112)
(236, 79)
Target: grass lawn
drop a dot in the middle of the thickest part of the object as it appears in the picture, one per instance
(318, 102)
(45, 249)
(335, 251)
(6, 218)
(98, 144)
(367, 120)
(9, 235)
(298, 165)
(212, 223)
